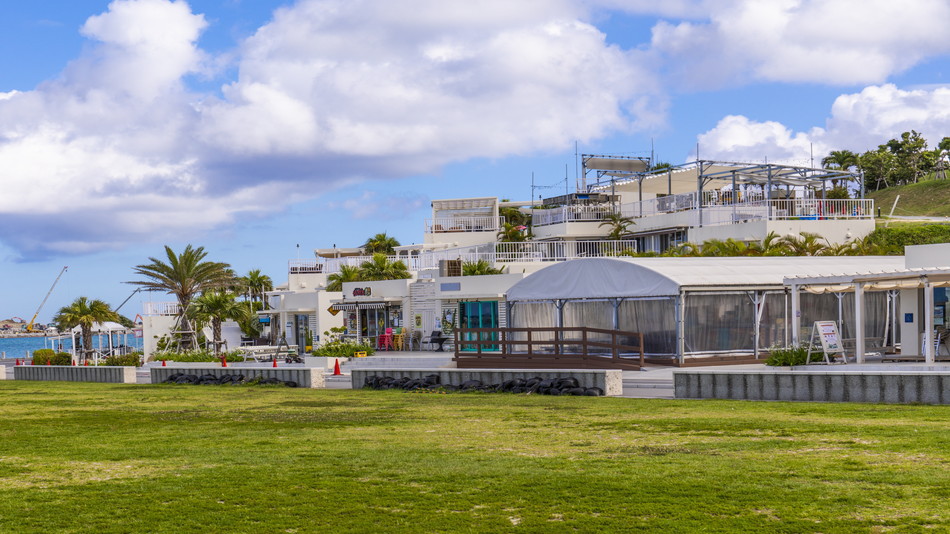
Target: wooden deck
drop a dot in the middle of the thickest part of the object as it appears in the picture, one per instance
(548, 348)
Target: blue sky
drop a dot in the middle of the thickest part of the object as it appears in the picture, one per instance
(251, 127)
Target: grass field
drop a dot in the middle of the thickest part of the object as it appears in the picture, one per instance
(122, 458)
(929, 197)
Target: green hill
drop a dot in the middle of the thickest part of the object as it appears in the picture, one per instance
(929, 198)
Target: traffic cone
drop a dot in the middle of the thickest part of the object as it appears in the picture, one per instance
(275, 362)
(163, 363)
(224, 361)
(72, 362)
(18, 361)
(336, 368)
(85, 363)
(49, 362)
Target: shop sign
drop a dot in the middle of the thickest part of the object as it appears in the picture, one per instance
(363, 292)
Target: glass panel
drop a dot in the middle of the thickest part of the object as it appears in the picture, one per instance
(655, 319)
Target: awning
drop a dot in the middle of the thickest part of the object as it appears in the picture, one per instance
(349, 306)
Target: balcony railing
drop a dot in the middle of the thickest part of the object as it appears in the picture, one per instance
(463, 224)
(529, 251)
(304, 266)
(333, 265)
(571, 214)
(161, 308)
(784, 210)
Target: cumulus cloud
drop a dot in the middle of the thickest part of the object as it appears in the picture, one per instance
(118, 148)
(858, 122)
(820, 41)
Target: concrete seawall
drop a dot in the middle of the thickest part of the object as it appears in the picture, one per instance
(609, 380)
(68, 373)
(890, 387)
(304, 377)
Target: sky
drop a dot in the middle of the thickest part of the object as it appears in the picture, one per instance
(262, 129)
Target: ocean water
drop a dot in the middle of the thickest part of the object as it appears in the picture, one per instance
(17, 347)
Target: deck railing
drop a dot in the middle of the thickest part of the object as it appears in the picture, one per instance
(304, 266)
(548, 347)
(463, 224)
(563, 214)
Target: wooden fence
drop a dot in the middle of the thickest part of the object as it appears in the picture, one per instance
(548, 348)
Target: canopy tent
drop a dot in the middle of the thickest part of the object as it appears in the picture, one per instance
(681, 305)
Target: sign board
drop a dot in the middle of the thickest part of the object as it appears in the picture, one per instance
(828, 337)
(828, 334)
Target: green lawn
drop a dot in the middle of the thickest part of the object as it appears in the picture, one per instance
(122, 458)
(929, 197)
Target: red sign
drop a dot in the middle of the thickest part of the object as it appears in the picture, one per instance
(363, 292)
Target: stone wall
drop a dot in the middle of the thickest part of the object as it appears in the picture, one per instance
(827, 386)
(609, 380)
(68, 373)
(304, 377)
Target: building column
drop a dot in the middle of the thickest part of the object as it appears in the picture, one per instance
(680, 307)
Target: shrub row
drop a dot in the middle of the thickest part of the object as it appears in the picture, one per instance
(536, 385)
(51, 357)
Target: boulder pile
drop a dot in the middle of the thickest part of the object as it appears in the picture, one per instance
(536, 385)
(232, 380)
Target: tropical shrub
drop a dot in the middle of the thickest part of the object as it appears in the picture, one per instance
(44, 356)
(343, 349)
(793, 355)
(133, 359)
(893, 240)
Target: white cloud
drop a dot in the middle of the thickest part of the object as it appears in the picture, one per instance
(821, 41)
(117, 148)
(858, 122)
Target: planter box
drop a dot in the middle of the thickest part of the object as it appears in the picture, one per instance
(68, 373)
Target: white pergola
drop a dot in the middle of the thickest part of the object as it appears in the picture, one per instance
(924, 278)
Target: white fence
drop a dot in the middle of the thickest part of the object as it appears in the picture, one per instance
(571, 214)
(161, 308)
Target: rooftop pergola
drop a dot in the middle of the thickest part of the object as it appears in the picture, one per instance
(699, 175)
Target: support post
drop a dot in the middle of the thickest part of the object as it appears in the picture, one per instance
(680, 306)
(928, 321)
(859, 322)
(796, 315)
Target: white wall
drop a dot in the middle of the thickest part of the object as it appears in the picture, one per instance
(924, 256)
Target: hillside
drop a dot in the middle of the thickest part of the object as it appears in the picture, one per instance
(929, 198)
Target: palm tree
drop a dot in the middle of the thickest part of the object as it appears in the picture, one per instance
(84, 313)
(257, 284)
(840, 160)
(381, 243)
(184, 275)
(348, 273)
(772, 245)
(380, 268)
(512, 233)
(217, 306)
(478, 268)
(806, 244)
(618, 225)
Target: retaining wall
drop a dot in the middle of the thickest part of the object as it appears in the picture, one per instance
(609, 380)
(826, 386)
(68, 373)
(304, 377)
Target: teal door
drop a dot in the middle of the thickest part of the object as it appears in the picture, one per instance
(483, 314)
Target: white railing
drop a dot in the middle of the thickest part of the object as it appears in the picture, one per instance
(161, 308)
(789, 209)
(563, 214)
(332, 265)
(529, 251)
(304, 266)
(463, 224)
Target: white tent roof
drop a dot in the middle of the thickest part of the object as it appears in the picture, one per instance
(102, 328)
(598, 278)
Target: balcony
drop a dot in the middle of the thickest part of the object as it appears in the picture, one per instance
(529, 251)
(161, 308)
(304, 266)
(463, 224)
(564, 214)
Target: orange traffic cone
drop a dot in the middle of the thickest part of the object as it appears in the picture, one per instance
(18, 361)
(86, 363)
(336, 368)
(224, 361)
(163, 363)
(275, 361)
(72, 362)
(49, 362)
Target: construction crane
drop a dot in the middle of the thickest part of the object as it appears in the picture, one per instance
(29, 327)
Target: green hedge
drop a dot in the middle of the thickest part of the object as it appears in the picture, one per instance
(893, 240)
(343, 349)
(134, 359)
(783, 357)
(197, 356)
(44, 356)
